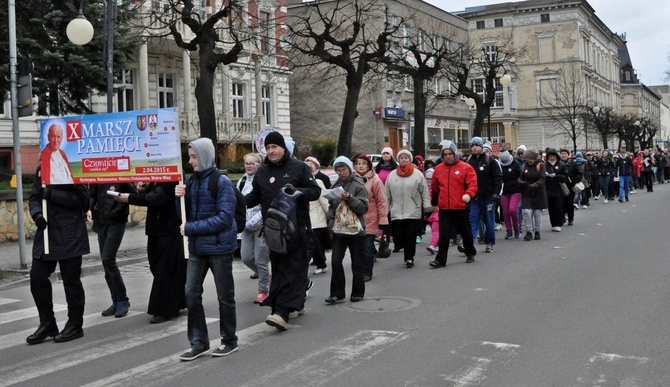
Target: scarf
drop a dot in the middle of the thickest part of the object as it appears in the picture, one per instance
(405, 171)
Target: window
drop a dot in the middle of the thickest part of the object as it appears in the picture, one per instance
(162, 6)
(389, 101)
(125, 100)
(2, 106)
(407, 36)
(498, 22)
(437, 42)
(266, 100)
(266, 31)
(6, 159)
(491, 53)
(165, 90)
(481, 25)
(544, 18)
(439, 86)
(409, 84)
(237, 97)
(389, 84)
(398, 103)
(479, 88)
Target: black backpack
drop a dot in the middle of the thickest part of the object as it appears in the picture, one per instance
(240, 207)
(280, 227)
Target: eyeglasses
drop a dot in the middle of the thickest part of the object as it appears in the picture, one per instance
(341, 171)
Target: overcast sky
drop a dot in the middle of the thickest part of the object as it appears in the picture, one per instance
(645, 22)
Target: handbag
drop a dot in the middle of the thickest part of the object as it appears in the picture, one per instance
(579, 187)
(384, 248)
(564, 189)
(346, 222)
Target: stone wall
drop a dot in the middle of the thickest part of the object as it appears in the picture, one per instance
(9, 230)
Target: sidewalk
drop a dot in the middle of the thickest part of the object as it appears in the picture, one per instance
(133, 249)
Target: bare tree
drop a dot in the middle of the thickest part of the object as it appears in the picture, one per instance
(604, 122)
(476, 70)
(420, 57)
(340, 34)
(565, 104)
(213, 50)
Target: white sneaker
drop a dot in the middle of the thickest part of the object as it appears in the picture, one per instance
(585, 206)
(498, 227)
(296, 313)
(556, 229)
(606, 200)
(596, 197)
(321, 270)
(432, 249)
(275, 320)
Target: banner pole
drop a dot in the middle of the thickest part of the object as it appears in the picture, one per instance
(182, 207)
(46, 229)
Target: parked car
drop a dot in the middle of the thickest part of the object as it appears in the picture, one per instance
(330, 172)
(375, 159)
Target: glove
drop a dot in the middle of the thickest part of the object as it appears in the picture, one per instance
(40, 222)
(290, 189)
(47, 193)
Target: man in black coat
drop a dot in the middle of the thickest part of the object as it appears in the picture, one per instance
(66, 209)
(289, 271)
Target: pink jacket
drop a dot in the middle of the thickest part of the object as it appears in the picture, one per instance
(377, 207)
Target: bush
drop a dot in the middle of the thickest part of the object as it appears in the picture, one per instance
(323, 148)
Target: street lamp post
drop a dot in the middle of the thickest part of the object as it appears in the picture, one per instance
(80, 32)
(505, 80)
(471, 103)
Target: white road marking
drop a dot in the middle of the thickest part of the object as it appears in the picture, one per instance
(20, 314)
(161, 371)
(337, 359)
(484, 358)
(5, 301)
(71, 356)
(19, 338)
(610, 369)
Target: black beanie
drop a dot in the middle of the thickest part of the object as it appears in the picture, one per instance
(275, 138)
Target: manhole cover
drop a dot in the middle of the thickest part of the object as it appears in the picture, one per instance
(382, 304)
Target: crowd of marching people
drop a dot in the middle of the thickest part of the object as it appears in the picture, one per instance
(291, 215)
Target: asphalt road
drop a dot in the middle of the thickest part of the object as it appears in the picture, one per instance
(588, 306)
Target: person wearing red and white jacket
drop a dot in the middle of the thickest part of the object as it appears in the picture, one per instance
(454, 185)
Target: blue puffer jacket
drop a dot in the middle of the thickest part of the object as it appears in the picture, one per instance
(210, 228)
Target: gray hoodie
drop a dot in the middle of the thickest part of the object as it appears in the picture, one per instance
(204, 152)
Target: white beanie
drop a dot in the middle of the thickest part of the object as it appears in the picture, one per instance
(344, 160)
(521, 147)
(488, 147)
(405, 152)
(429, 173)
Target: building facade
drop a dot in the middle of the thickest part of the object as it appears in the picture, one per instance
(386, 105)
(249, 95)
(556, 40)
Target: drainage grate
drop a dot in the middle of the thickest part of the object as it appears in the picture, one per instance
(381, 304)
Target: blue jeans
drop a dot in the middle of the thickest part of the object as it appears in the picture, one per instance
(624, 186)
(603, 183)
(222, 271)
(109, 240)
(486, 209)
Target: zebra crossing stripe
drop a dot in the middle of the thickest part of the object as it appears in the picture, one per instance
(485, 358)
(5, 301)
(19, 338)
(166, 369)
(86, 351)
(605, 369)
(20, 314)
(337, 359)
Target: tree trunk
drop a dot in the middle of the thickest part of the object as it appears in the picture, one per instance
(204, 91)
(419, 118)
(603, 137)
(354, 85)
(479, 121)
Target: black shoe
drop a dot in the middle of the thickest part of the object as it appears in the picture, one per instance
(356, 298)
(537, 236)
(397, 249)
(367, 278)
(310, 285)
(45, 330)
(436, 264)
(470, 259)
(409, 264)
(70, 332)
(460, 249)
(109, 311)
(121, 308)
(627, 199)
(255, 275)
(158, 319)
(528, 236)
(620, 200)
(570, 223)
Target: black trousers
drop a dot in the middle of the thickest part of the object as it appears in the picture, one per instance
(315, 249)
(556, 217)
(337, 279)
(405, 232)
(568, 206)
(40, 287)
(454, 222)
(168, 267)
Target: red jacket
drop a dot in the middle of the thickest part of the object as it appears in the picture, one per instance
(450, 183)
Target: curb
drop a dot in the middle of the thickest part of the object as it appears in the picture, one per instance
(90, 265)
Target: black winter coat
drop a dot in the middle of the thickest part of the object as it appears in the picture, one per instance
(555, 174)
(162, 215)
(66, 215)
(511, 174)
(106, 210)
(489, 176)
(533, 193)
